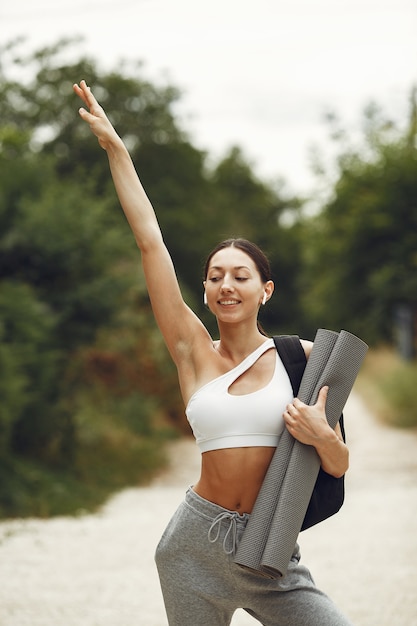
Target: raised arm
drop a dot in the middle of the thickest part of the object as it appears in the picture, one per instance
(177, 322)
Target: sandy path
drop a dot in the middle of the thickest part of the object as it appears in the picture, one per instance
(98, 570)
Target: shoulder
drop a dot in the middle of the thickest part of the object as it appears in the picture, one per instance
(307, 346)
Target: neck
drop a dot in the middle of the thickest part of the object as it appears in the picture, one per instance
(236, 342)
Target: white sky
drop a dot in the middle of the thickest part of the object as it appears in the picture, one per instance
(259, 73)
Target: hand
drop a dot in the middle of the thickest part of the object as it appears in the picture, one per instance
(308, 424)
(95, 117)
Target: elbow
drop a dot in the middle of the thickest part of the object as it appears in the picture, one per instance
(339, 473)
(148, 241)
(335, 472)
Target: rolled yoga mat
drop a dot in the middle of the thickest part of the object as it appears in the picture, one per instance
(271, 534)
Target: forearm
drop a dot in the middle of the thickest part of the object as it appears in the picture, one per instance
(333, 453)
(132, 196)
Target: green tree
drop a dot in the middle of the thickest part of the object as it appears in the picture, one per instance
(60, 279)
(362, 262)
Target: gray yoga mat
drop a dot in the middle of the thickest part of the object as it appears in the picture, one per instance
(271, 534)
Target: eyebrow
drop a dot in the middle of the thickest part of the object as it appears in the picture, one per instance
(237, 267)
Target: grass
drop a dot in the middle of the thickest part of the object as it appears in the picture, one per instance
(388, 385)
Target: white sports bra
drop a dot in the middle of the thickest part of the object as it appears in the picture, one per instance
(222, 420)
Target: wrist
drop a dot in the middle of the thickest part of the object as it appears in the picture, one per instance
(328, 442)
(114, 144)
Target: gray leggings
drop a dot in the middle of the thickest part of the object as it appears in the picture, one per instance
(202, 586)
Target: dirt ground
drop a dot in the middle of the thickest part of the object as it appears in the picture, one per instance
(98, 570)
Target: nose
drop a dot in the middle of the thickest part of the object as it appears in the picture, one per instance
(226, 286)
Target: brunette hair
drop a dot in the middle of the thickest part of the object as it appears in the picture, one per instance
(254, 252)
(251, 249)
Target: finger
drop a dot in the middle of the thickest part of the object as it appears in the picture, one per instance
(298, 404)
(290, 423)
(81, 88)
(78, 91)
(86, 116)
(84, 87)
(83, 113)
(89, 98)
(84, 92)
(290, 409)
(322, 397)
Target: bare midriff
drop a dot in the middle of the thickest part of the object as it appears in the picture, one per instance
(232, 477)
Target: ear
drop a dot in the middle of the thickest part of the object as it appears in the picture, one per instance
(268, 290)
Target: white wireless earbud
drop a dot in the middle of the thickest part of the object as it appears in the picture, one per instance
(205, 298)
(264, 298)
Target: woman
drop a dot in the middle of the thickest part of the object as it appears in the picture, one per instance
(220, 381)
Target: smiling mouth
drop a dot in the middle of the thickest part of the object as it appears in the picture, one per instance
(228, 302)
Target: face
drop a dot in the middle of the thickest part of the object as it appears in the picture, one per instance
(233, 285)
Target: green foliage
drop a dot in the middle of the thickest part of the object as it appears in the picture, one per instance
(101, 467)
(362, 261)
(388, 384)
(29, 361)
(399, 392)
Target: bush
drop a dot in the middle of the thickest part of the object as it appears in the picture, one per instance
(389, 385)
(112, 462)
